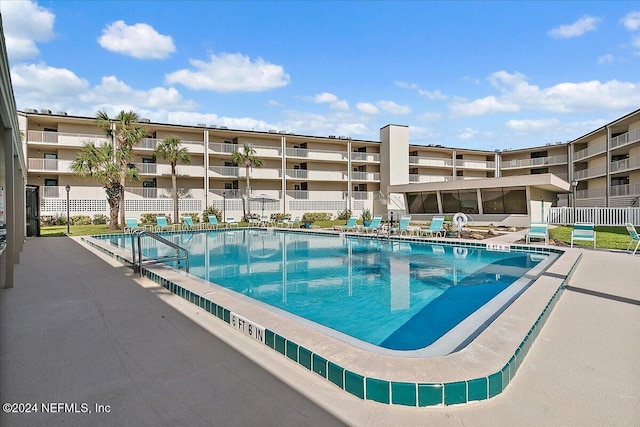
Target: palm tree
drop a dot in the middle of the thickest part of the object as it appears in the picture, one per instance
(171, 149)
(125, 132)
(248, 159)
(102, 164)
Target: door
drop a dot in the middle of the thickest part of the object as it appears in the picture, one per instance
(32, 200)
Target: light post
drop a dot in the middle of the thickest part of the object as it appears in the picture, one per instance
(574, 185)
(224, 206)
(68, 188)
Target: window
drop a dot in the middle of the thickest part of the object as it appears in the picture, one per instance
(422, 203)
(504, 200)
(539, 154)
(50, 156)
(150, 184)
(50, 182)
(538, 171)
(148, 160)
(492, 200)
(621, 180)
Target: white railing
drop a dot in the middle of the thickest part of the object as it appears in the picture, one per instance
(365, 176)
(590, 194)
(365, 157)
(621, 165)
(264, 173)
(225, 170)
(315, 195)
(626, 138)
(316, 175)
(63, 138)
(267, 151)
(429, 178)
(598, 216)
(475, 164)
(298, 194)
(590, 172)
(220, 147)
(147, 168)
(361, 195)
(625, 190)
(431, 161)
(316, 154)
(590, 151)
(227, 193)
(56, 165)
(540, 161)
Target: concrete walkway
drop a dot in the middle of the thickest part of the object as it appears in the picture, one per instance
(79, 328)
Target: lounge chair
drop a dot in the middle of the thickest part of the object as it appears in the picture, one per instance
(538, 230)
(435, 228)
(187, 223)
(295, 223)
(265, 221)
(213, 222)
(284, 222)
(584, 231)
(162, 224)
(403, 226)
(131, 224)
(376, 222)
(634, 237)
(349, 226)
(232, 223)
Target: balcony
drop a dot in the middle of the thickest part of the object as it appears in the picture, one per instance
(63, 138)
(365, 176)
(163, 193)
(590, 151)
(591, 194)
(475, 164)
(625, 190)
(537, 162)
(228, 193)
(626, 138)
(152, 143)
(224, 171)
(304, 174)
(590, 172)
(429, 178)
(625, 165)
(222, 148)
(317, 154)
(437, 162)
(49, 165)
(365, 157)
(316, 195)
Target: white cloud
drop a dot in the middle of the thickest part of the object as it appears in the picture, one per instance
(606, 59)
(466, 134)
(25, 24)
(406, 85)
(324, 97)
(192, 118)
(430, 117)
(436, 95)
(230, 73)
(532, 125)
(516, 94)
(631, 20)
(44, 81)
(577, 29)
(341, 105)
(139, 41)
(393, 108)
(367, 108)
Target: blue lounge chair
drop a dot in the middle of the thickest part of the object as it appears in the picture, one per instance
(232, 223)
(403, 226)
(435, 228)
(538, 230)
(187, 222)
(373, 227)
(162, 224)
(131, 224)
(349, 226)
(584, 231)
(213, 221)
(634, 237)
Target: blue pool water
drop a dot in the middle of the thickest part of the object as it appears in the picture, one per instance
(393, 294)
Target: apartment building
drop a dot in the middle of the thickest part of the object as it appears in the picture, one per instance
(311, 173)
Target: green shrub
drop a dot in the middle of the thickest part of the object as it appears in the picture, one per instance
(277, 216)
(56, 219)
(100, 219)
(211, 211)
(80, 220)
(344, 215)
(316, 216)
(366, 215)
(150, 218)
(194, 216)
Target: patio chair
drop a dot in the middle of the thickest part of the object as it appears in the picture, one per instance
(584, 231)
(232, 223)
(349, 226)
(162, 224)
(213, 222)
(538, 230)
(295, 223)
(376, 222)
(634, 237)
(265, 221)
(284, 222)
(187, 223)
(403, 226)
(435, 228)
(131, 224)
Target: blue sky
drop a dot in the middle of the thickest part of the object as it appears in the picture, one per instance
(489, 75)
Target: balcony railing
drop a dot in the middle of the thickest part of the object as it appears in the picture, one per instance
(590, 151)
(298, 194)
(475, 164)
(147, 168)
(625, 164)
(365, 157)
(590, 173)
(219, 147)
(63, 138)
(49, 165)
(540, 161)
(626, 138)
(361, 195)
(316, 154)
(230, 171)
(365, 176)
(429, 178)
(625, 190)
(590, 194)
(316, 175)
(228, 193)
(431, 161)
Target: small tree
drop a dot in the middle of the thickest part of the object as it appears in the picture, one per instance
(248, 159)
(125, 132)
(171, 149)
(102, 164)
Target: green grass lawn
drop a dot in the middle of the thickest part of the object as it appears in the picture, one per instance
(76, 230)
(606, 237)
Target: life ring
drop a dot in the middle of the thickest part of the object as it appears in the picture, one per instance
(460, 219)
(459, 252)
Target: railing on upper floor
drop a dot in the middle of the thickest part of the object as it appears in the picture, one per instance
(590, 172)
(590, 151)
(597, 215)
(431, 161)
(475, 164)
(625, 164)
(626, 138)
(540, 161)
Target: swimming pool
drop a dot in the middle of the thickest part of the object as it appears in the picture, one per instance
(390, 296)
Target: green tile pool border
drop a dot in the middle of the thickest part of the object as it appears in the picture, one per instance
(377, 389)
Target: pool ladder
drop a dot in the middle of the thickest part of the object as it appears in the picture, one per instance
(136, 237)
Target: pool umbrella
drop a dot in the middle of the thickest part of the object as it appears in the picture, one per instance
(263, 198)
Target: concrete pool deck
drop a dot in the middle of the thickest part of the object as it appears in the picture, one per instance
(79, 327)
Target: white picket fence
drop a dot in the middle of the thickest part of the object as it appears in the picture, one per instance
(599, 216)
